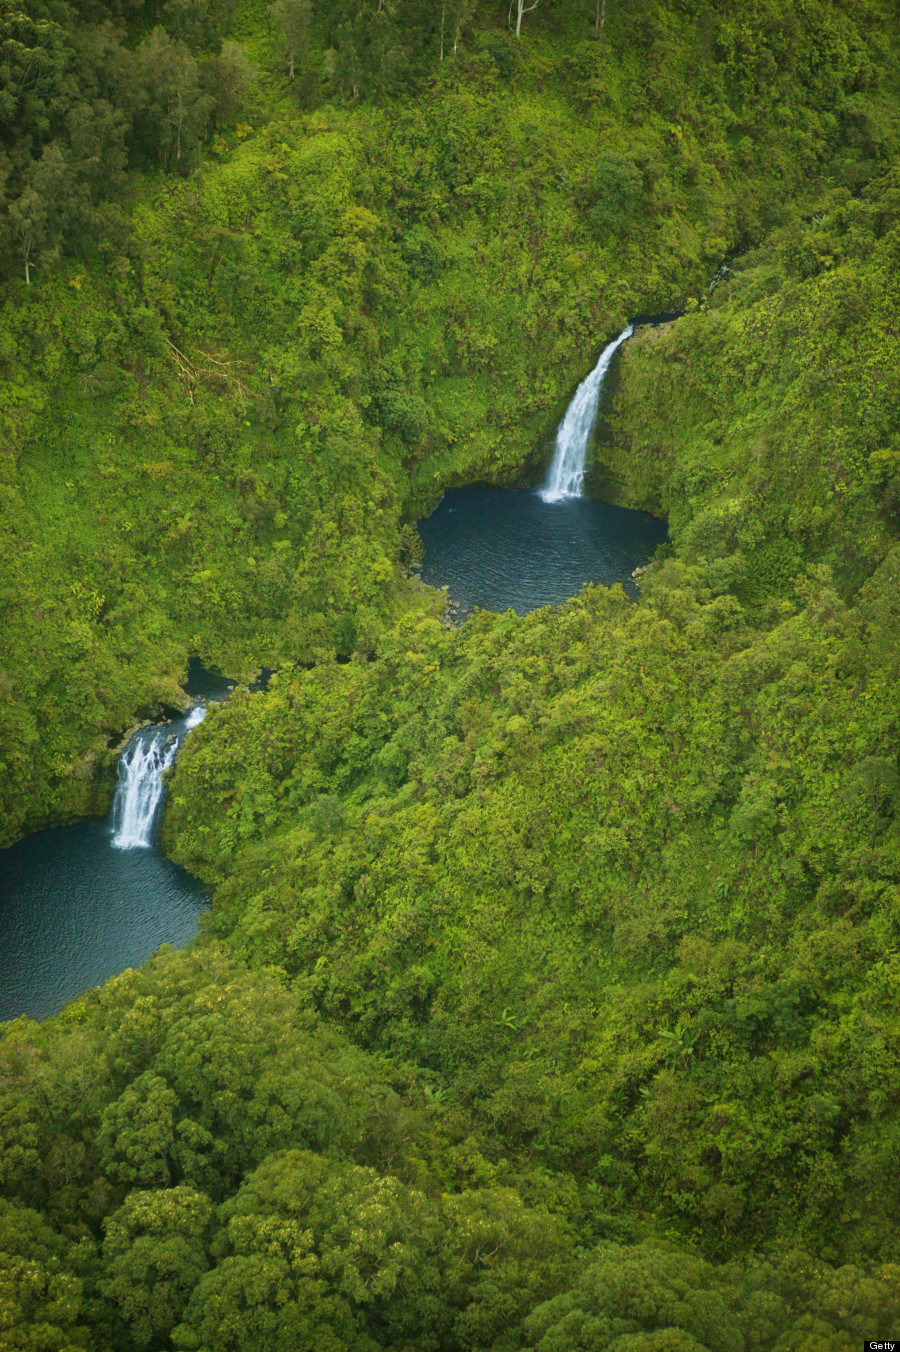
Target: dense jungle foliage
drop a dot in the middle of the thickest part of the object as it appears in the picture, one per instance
(549, 996)
(255, 368)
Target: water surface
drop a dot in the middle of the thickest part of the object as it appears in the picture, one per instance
(74, 910)
(80, 903)
(502, 548)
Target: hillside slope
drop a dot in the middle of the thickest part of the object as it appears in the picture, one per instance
(226, 391)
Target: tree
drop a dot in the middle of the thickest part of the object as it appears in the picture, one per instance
(285, 1281)
(35, 55)
(53, 182)
(41, 1298)
(667, 1301)
(270, 1298)
(199, 23)
(500, 1258)
(226, 78)
(175, 109)
(154, 1255)
(355, 1249)
(137, 1133)
(292, 18)
(521, 10)
(95, 151)
(28, 220)
(464, 10)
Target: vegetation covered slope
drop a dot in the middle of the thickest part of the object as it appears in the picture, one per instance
(766, 425)
(196, 1163)
(624, 878)
(549, 996)
(228, 383)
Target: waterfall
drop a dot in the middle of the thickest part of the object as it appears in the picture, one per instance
(141, 766)
(567, 468)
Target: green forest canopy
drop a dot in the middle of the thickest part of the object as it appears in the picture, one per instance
(548, 1000)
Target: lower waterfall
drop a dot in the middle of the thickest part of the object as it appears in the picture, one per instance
(140, 789)
(566, 471)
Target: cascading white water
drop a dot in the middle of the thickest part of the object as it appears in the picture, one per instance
(566, 471)
(140, 789)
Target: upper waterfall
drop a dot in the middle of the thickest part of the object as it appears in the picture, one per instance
(139, 793)
(566, 471)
